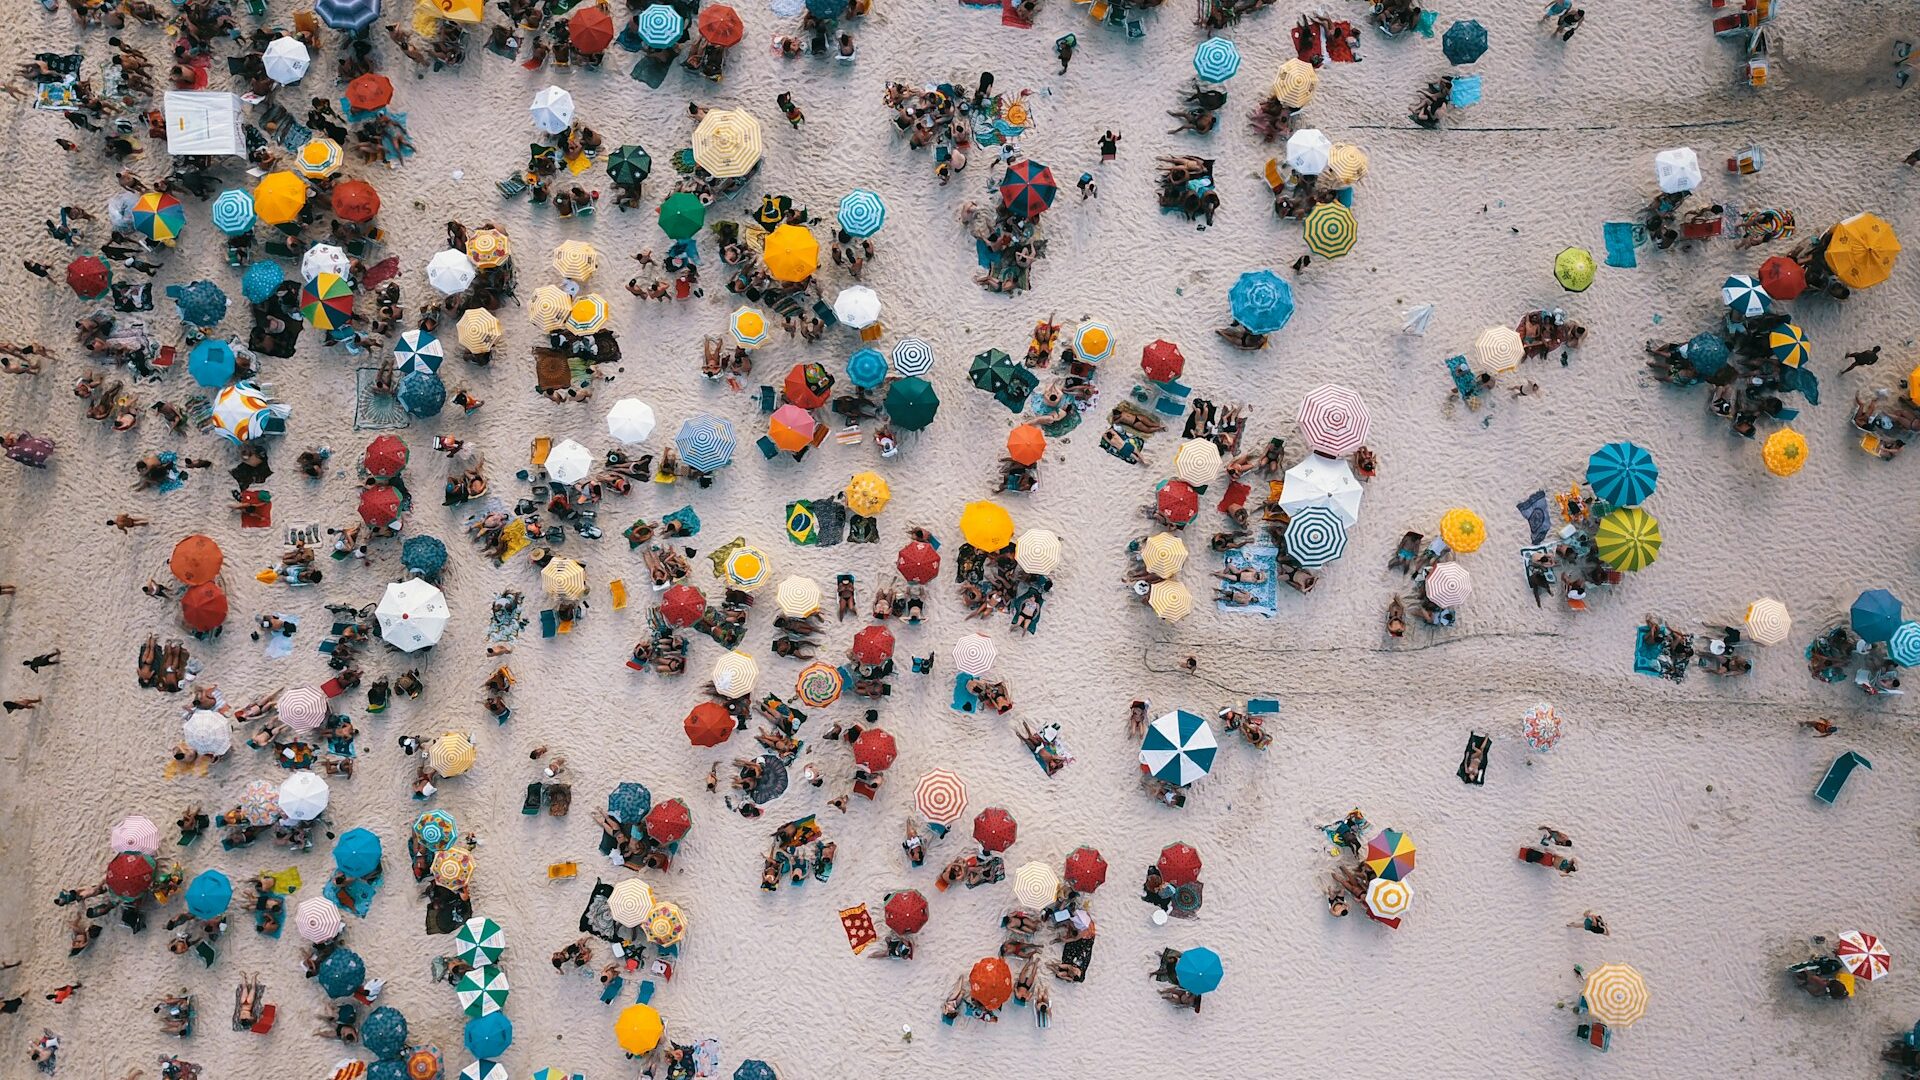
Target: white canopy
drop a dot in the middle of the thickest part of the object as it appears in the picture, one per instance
(204, 122)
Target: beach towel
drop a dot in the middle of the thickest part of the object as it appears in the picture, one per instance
(1539, 521)
(963, 698)
(1473, 760)
(359, 898)
(1266, 593)
(1621, 238)
(857, 923)
(1647, 656)
(1010, 16)
(1079, 954)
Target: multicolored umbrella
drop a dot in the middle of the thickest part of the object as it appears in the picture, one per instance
(1093, 341)
(1027, 189)
(1334, 420)
(587, 315)
(1540, 727)
(1316, 536)
(750, 327)
(1262, 301)
(941, 797)
(232, 212)
(862, 212)
(1390, 855)
(912, 357)
(817, 686)
(1331, 230)
(435, 829)
(1863, 954)
(1179, 747)
(326, 302)
(260, 802)
(319, 158)
(1216, 60)
(666, 924)
(479, 941)
(482, 990)
(1789, 345)
(1616, 994)
(425, 1062)
(485, 1070)
(159, 217)
(727, 142)
(1622, 474)
(1628, 539)
(1745, 297)
(705, 443)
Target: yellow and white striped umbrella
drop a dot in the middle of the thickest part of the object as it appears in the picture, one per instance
(479, 330)
(734, 674)
(1035, 885)
(587, 315)
(1497, 350)
(727, 143)
(749, 326)
(576, 260)
(319, 158)
(630, 902)
(564, 579)
(1163, 554)
(1037, 551)
(1616, 994)
(1346, 164)
(798, 596)
(1197, 462)
(548, 307)
(1295, 83)
(452, 754)
(1388, 898)
(1170, 600)
(1768, 622)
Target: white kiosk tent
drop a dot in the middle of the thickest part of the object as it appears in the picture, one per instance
(204, 122)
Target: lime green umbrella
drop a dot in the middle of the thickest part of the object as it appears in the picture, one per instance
(682, 215)
(1573, 269)
(1628, 539)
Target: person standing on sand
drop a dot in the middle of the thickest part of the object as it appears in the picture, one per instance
(43, 660)
(1862, 358)
(1062, 47)
(1109, 146)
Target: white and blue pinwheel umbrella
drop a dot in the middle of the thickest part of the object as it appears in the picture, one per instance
(1178, 748)
(1316, 536)
(417, 350)
(1744, 296)
(1216, 60)
(232, 211)
(705, 443)
(862, 212)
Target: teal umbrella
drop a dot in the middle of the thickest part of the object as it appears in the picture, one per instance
(661, 27)
(1876, 615)
(209, 895)
(424, 556)
(1197, 971)
(422, 393)
(1179, 748)
(1622, 474)
(629, 802)
(201, 303)
(211, 363)
(867, 369)
(384, 1032)
(489, 1036)
(682, 215)
(260, 279)
(341, 973)
(1262, 301)
(911, 403)
(1464, 42)
(357, 852)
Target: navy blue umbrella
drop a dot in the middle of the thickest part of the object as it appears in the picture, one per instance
(341, 973)
(425, 556)
(422, 393)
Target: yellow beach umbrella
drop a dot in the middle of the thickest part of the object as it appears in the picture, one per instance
(479, 330)
(666, 924)
(549, 307)
(319, 158)
(488, 248)
(1163, 554)
(1628, 539)
(727, 143)
(867, 493)
(1346, 164)
(1785, 452)
(792, 253)
(638, 1029)
(588, 314)
(460, 11)
(1498, 350)
(1861, 251)
(1295, 83)
(1462, 530)
(749, 326)
(1197, 462)
(278, 197)
(576, 260)
(798, 596)
(564, 579)
(746, 568)
(1170, 600)
(1768, 622)
(1616, 994)
(452, 754)
(986, 525)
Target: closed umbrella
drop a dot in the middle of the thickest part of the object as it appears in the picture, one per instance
(1308, 151)
(941, 797)
(1216, 60)
(1037, 551)
(1179, 748)
(974, 654)
(1316, 536)
(1170, 600)
(1768, 622)
(1334, 420)
(1197, 462)
(1035, 885)
(552, 110)
(1622, 474)
(1677, 170)
(412, 615)
(569, 462)
(1628, 539)
(1262, 301)
(918, 562)
(911, 403)
(1464, 42)
(285, 60)
(862, 212)
(705, 443)
(303, 796)
(727, 144)
(1449, 585)
(734, 674)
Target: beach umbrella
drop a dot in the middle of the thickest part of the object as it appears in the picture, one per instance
(549, 307)
(201, 303)
(1346, 164)
(1197, 462)
(867, 493)
(721, 25)
(1197, 971)
(435, 829)
(1216, 60)
(488, 248)
(418, 350)
(471, 12)
(326, 302)
(278, 197)
(1449, 585)
(1093, 341)
(666, 924)
(159, 216)
(1789, 345)
(1390, 854)
(369, 92)
(479, 941)
(1745, 297)
(489, 1036)
(941, 797)
(423, 1062)
(485, 1070)
(552, 110)
(1677, 169)
(453, 869)
(1035, 885)
(1783, 278)
(1163, 554)
(232, 212)
(341, 973)
(422, 393)
(412, 614)
(746, 568)
(1026, 444)
(260, 802)
(670, 821)
(1330, 230)
(682, 215)
(1875, 615)
(628, 802)
(906, 911)
(818, 685)
(1861, 250)
(482, 990)
(1170, 600)
(682, 606)
(1464, 42)
(1179, 864)
(285, 60)
(1767, 621)
(1904, 646)
(357, 853)
(986, 525)
(205, 732)
(88, 276)
(638, 1029)
(211, 363)
(1316, 536)
(630, 165)
(1179, 747)
(912, 357)
(569, 462)
(1622, 474)
(355, 200)
(974, 654)
(450, 271)
(661, 26)
(590, 29)
(576, 260)
(1462, 530)
(1262, 301)
(1863, 954)
(1498, 350)
(379, 506)
(808, 385)
(629, 902)
(195, 560)
(479, 330)
(630, 421)
(734, 674)
(919, 562)
(452, 753)
(1086, 870)
(302, 708)
(749, 326)
(564, 578)
(424, 555)
(1037, 551)
(872, 646)
(1540, 727)
(994, 829)
(1334, 420)
(1616, 995)
(727, 144)
(1309, 151)
(204, 607)
(1027, 188)
(260, 279)
(911, 403)
(1628, 539)
(303, 796)
(705, 443)
(1161, 361)
(347, 15)
(862, 212)
(857, 307)
(1388, 899)
(798, 597)
(1785, 452)
(1573, 268)
(325, 259)
(319, 158)
(384, 1032)
(791, 252)
(1293, 86)
(874, 750)
(130, 874)
(867, 368)
(990, 983)
(317, 919)
(136, 833)
(1706, 352)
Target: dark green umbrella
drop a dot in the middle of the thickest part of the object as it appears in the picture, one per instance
(629, 165)
(682, 215)
(911, 403)
(987, 370)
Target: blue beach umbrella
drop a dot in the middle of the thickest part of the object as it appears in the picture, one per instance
(1179, 748)
(211, 363)
(348, 15)
(422, 393)
(260, 279)
(1744, 296)
(201, 303)
(661, 27)
(1216, 60)
(388, 1069)
(1262, 301)
(417, 350)
(629, 802)
(754, 1069)
(1464, 42)
(862, 212)
(384, 1032)
(1876, 615)
(1707, 352)
(489, 1036)
(357, 852)
(867, 369)
(1904, 645)
(424, 555)
(209, 895)
(341, 973)
(1622, 474)
(232, 212)
(705, 442)
(1198, 971)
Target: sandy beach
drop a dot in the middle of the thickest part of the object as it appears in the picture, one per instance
(1689, 801)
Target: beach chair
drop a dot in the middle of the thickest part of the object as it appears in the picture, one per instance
(562, 870)
(1837, 774)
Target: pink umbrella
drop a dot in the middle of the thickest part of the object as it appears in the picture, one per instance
(317, 919)
(135, 833)
(1334, 420)
(303, 708)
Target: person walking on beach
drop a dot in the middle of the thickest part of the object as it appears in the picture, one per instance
(1862, 358)
(20, 703)
(789, 109)
(1086, 186)
(1109, 146)
(1062, 47)
(126, 523)
(43, 660)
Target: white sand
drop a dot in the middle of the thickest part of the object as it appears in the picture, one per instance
(1689, 802)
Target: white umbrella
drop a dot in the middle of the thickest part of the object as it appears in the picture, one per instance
(318, 919)
(630, 902)
(207, 732)
(286, 59)
(798, 597)
(324, 259)
(1678, 169)
(630, 421)
(412, 614)
(1035, 885)
(1323, 481)
(974, 654)
(450, 271)
(552, 110)
(569, 462)
(135, 833)
(1449, 584)
(1037, 551)
(1308, 150)
(303, 796)
(857, 306)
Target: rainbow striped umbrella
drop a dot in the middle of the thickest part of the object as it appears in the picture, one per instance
(326, 302)
(160, 217)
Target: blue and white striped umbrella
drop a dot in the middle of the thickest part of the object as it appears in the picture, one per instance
(1904, 645)
(1179, 748)
(417, 350)
(348, 15)
(232, 211)
(1744, 296)
(862, 213)
(705, 443)
(1216, 60)
(912, 357)
(661, 27)
(1316, 536)
(1622, 474)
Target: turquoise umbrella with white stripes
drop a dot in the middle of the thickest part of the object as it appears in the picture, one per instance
(1178, 748)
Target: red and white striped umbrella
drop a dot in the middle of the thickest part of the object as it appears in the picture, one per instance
(941, 797)
(974, 654)
(317, 919)
(1449, 585)
(1334, 420)
(135, 833)
(1863, 954)
(303, 708)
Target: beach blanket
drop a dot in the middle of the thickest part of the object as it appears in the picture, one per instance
(1648, 658)
(1621, 238)
(1539, 521)
(1266, 593)
(1079, 954)
(359, 895)
(1473, 760)
(857, 923)
(1010, 16)
(373, 411)
(963, 698)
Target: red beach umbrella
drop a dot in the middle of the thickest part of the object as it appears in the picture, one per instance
(1162, 361)
(590, 30)
(204, 607)
(709, 724)
(919, 562)
(196, 560)
(682, 606)
(721, 25)
(994, 828)
(990, 983)
(874, 750)
(800, 392)
(379, 505)
(873, 645)
(1783, 278)
(1026, 444)
(906, 911)
(1179, 503)
(386, 455)
(1179, 864)
(1086, 870)
(370, 92)
(88, 276)
(356, 201)
(130, 874)
(670, 820)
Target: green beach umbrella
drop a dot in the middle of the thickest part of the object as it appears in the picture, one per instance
(482, 990)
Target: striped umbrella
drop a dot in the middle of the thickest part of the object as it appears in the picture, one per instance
(1334, 420)
(348, 15)
(482, 990)
(302, 708)
(818, 686)
(576, 260)
(1179, 748)
(1170, 600)
(548, 308)
(418, 350)
(1346, 164)
(1498, 350)
(705, 443)
(1027, 189)
(1628, 539)
(1387, 898)
(1035, 885)
(727, 142)
(435, 829)
(1768, 622)
(587, 315)
(1622, 474)
(1789, 345)
(1295, 83)
(797, 596)
(565, 579)
(326, 302)
(485, 1070)
(862, 212)
(912, 357)
(318, 920)
(1862, 953)
(136, 833)
(974, 654)
(1316, 536)
(232, 212)
(1163, 554)
(159, 216)
(479, 941)
(746, 569)
(1093, 341)
(452, 753)
(1216, 60)
(1745, 297)
(1037, 551)
(1904, 645)
(488, 248)
(941, 797)
(1449, 585)
(749, 326)
(319, 158)
(666, 924)
(206, 732)
(1616, 994)
(734, 674)
(479, 330)
(1197, 462)
(1331, 230)
(661, 26)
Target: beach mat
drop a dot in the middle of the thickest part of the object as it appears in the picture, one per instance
(1621, 238)
(1079, 954)
(1646, 657)
(1473, 760)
